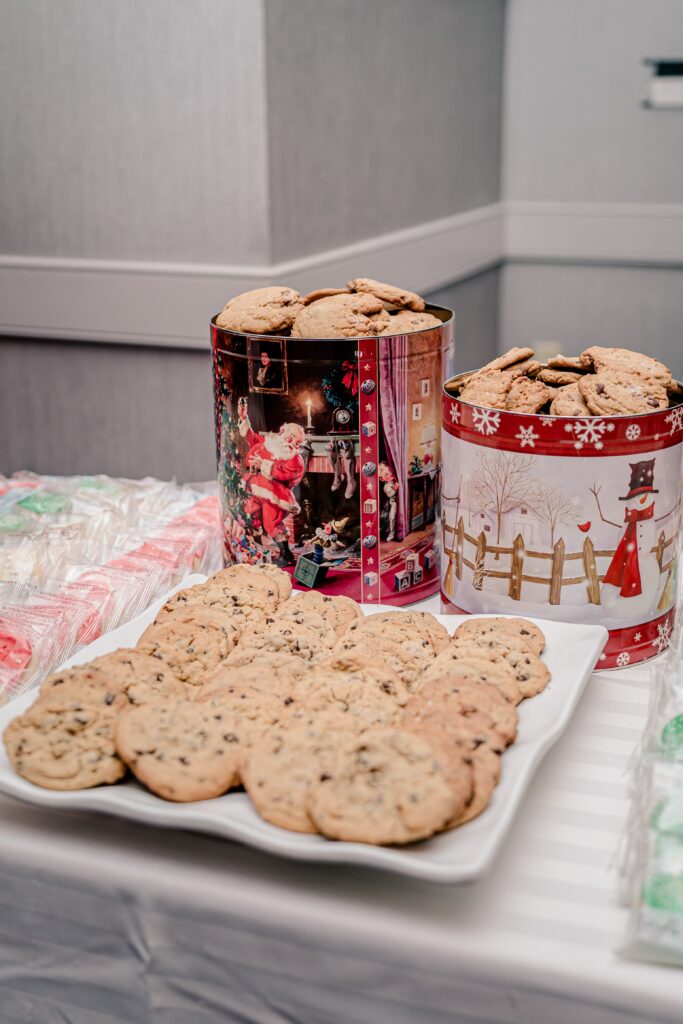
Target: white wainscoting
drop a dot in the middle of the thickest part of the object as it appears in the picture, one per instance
(170, 304)
(642, 234)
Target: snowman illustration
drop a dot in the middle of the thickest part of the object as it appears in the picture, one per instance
(634, 574)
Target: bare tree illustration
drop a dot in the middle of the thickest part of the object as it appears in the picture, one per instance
(473, 499)
(501, 483)
(553, 507)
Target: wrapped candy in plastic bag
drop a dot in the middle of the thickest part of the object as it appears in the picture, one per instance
(663, 732)
(652, 851)
(655, 930)
(77, 604)
(81, 555)
(32, 642)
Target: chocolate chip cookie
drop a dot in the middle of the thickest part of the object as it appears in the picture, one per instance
(374, 650)
(526, 395)
(488, 388)
(559, 377)
(388, 293)
(498, 625)
(262, 311)
(403, 626)
(266, 576)
(365, 699)
(192, 652)
(406, 322)
(531, 674)
(65, 743)
(449, 695)
(568, 401)
(571, 363)
(342, 316)
(281, 766)
(510, 358)
(182, 751)
(383, 786)
(624, 361)
(485, 774)
(337, 610)
(229, 600)
(615, 393)
(138, 676)
(476, 665)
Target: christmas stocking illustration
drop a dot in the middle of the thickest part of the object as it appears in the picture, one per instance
(348, 461)
(333, 456)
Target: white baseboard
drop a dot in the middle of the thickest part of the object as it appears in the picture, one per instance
(618, 233)
(170, 304)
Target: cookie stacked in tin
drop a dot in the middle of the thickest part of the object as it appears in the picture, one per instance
(377, 729)
(364, 308)
(599, 382)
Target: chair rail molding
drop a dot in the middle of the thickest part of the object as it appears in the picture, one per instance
(641, 234)
(170, 304)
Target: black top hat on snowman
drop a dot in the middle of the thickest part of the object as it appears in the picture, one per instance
(642, 476)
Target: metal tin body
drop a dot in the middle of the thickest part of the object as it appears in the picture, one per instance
(564, 518)
(329, 457)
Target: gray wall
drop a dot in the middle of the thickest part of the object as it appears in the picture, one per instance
(475, 302)
(382, 114)
(575, 131)
(133, 130)
(241, 131)
(576, 306)
(574, 81)
(79, 408)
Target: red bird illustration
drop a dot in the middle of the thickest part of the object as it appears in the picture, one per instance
(584, 527)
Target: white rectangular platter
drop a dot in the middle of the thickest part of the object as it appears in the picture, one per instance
(458, 856)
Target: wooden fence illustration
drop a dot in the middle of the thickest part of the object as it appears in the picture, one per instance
(517, 577)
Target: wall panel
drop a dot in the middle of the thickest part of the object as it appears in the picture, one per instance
(381, 113)
(577, 306)
(133, 130)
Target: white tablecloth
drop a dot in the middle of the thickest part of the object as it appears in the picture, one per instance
(105, 921)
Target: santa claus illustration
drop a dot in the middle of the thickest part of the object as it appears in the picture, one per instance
(634, 574)
(274, 468)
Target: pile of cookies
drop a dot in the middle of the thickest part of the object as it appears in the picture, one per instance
(376, 729)
(364, 308)
(599, 382)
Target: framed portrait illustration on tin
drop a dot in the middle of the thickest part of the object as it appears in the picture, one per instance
(267, 365)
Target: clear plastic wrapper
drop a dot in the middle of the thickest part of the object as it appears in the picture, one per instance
(77, 605)
(652, 847)
(32, 643)
(655, 866)
(80, 555)
(123, 593)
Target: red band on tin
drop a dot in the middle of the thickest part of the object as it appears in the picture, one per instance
(562, 435)
(369, 468)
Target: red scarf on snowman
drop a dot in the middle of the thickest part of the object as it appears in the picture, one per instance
(624, 571)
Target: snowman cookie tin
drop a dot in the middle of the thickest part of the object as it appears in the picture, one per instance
(564, 518)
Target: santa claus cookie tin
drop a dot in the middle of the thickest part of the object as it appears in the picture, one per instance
(566, 518)
(329, 457)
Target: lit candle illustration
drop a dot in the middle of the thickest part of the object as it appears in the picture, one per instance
(309, 406)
